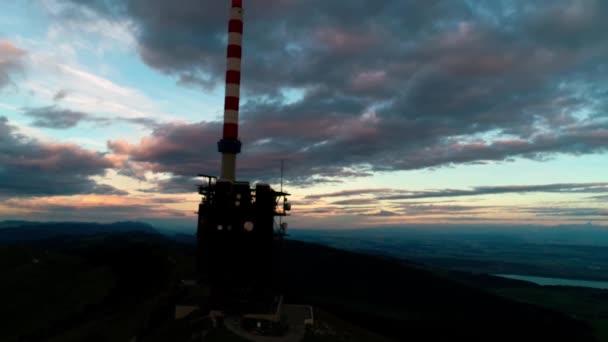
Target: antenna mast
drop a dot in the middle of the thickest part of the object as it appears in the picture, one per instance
(230, 145)
(282, 175)
(236, 240)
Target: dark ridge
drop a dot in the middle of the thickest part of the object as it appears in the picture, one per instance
(187, 239)
(20, 231)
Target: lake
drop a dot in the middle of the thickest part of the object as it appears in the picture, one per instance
(557, 281)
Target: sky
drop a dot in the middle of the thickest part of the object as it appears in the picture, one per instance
(394, 112)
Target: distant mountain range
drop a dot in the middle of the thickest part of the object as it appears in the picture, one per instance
(580, 234)
(15, 231)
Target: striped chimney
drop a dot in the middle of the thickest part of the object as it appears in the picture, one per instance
(230, 145)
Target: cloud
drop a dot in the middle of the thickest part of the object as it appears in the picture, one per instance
(333, 149)
(175, 185)
(348, 193)
(60, 95)
(11, 61)
(184, 150)
(164, 200)
(574, 212)
(566, 188)
(60, 118)
(377, 194)
(570, 23)
(68, 86)
(355, 201)
(418, 211)
(452, 213)
(443, 83)
(30, 168)
(52, 117)
(301, 43)
(413, 209)
(384, 213)
(86, 29)
(100, 208)
(142, 121)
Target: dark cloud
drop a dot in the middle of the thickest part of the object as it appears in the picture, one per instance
(176, 184)
(60, 118)
(418, 210)
(143, 121)
(356, 201)
(185, 150)
(11, 61)
(574, 212)
(357, 149)
(602, 198)
(60, 95)
(41, 210)
(374, 195)
(475, 213)
(53, 117)
(513, 189)
(317, 211)
(164, 200)
(384, 213)
(569, 23)
(468, 212)
(286, 39)
(348, 193)
(381, 86)
(30, 168)
(448, 210)
(369, 208)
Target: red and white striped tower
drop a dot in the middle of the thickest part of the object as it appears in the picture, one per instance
(230, 145)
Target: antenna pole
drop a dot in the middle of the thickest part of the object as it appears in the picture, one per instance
(230, 145)
(282, 175)
(283, 210)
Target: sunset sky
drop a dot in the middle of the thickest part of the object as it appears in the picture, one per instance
(389, 112)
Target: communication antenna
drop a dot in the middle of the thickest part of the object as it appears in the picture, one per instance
(281, 217)
(282, 164)
(236, 248)
(230, 145)
(285, 207)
